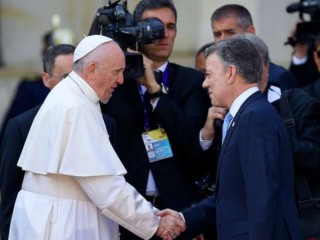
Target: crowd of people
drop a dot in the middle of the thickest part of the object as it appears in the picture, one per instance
(108, 157)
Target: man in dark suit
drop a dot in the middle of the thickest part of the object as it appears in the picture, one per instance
(31, 91)
(313, 88)
(300, 113)
(302, 65)
(254, 194)
(232, 19)
(176, 104)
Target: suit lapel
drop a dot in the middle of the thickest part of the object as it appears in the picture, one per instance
(171, 75)
(233, 126)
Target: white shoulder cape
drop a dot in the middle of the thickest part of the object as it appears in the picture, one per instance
(68, 135)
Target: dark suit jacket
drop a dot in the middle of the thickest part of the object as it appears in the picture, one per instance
(255, 192)
(281, 77)
(305, 73)
(306, 140)
(306, 143)
(313, 89)
(11, 176)
(181, 113)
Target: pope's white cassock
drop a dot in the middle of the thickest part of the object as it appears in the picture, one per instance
(74, 186)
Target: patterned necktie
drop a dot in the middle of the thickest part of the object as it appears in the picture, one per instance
(227, 119)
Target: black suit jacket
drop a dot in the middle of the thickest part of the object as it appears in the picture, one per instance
(181, 113)
(11, 176)
(281, 77)
(305, 73)
(306, 142)
(313, 89)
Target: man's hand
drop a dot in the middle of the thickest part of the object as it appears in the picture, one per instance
(207, 132)
(171, 224)
(300, 50)
(148, 80)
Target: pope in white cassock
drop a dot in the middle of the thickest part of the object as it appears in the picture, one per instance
(74, 186)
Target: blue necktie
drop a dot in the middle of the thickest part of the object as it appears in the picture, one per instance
(225, 126)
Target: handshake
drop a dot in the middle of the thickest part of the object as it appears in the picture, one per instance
(171, 224)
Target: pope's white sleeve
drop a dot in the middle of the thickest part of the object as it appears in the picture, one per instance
(120, 202)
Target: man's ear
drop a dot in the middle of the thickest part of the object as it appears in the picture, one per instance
(316, 59)
(232, 71)
(251, 29)
(46, 79)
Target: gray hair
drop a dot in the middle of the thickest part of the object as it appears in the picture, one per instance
(244, 19)
(260, 45)
(240, 52)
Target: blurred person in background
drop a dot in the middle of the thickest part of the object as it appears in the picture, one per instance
(314, 88)
(200, 62)
(233, 19)
(30, 91)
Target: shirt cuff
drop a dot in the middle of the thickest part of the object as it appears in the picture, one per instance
(205, 144)
(181, 215)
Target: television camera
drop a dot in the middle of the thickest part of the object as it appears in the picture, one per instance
(115, 21)
(306, 30)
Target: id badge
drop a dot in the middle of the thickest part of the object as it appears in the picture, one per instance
(157, 145)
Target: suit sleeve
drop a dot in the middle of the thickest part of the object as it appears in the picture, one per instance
(200, 217)
(306, 143)
(305, 73)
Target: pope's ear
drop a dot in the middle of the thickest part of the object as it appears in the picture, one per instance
(91, 68)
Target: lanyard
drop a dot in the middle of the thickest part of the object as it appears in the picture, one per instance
(165, 77)
(145, 111)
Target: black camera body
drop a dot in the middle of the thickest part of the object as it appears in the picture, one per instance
(115, 21)
(305, 31)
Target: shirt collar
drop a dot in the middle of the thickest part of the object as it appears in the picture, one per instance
(241, 99)
(163, 67)
(84, 87)
(274, 93)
